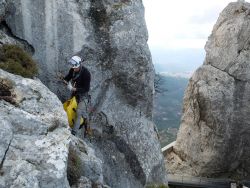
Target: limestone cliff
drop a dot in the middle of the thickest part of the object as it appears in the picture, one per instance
(214, 135)
(111, 36)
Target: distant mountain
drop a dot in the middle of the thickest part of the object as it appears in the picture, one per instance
(186, 74)
(168, 107)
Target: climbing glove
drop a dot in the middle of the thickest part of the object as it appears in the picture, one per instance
(69, 86)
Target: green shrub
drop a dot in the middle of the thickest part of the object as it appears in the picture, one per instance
(15, 60)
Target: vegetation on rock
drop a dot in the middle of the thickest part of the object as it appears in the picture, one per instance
(74, 164)
(6, 91)
(157, 186)
(15, 60)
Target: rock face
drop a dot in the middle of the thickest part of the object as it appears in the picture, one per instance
(34, 139)
(111, 36)
(214, 135)
(36, 148)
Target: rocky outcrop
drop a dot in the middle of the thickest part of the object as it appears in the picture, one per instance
(36, 148)
(214, 135)
(112, 38)
(34, 139)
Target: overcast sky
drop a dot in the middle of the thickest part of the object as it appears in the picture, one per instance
(178, 31)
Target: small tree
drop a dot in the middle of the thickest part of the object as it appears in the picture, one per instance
(159, 84)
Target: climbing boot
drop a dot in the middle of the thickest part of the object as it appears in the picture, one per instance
(73, 132)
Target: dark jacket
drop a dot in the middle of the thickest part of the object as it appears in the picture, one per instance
(80, 80)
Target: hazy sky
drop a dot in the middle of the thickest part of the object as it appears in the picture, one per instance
(178, 31)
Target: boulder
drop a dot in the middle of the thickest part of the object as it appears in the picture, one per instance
(34, 138)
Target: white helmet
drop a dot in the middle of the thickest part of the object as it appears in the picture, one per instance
(75, 61)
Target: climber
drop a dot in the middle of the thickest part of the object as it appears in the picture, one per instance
(78, 82)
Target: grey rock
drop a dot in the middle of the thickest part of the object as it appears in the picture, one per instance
(34, 137)
(112, 38)
(6, 136)
(2, 9)
(6, 37)
(83, 182)
(88, 165)
(124, 151)
(214, 135)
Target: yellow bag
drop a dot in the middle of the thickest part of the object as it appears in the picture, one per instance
(70, 107)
